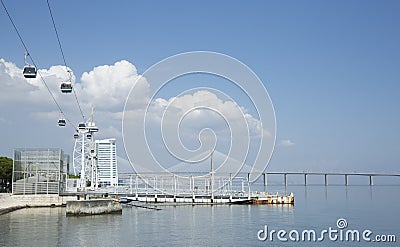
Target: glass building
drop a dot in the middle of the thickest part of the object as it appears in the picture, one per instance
(39, 171)
(106, 162)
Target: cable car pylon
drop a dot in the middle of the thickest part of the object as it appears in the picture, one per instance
(84, 156)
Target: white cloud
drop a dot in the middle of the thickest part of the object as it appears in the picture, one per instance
(286, 143)
(201, 117)
(14, 86)
(107, 87)
(18, 90)
(194, 122)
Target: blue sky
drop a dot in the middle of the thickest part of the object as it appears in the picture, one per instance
(331, 67)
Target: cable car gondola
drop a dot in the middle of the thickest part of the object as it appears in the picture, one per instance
(89, 136)
(82, 126)
(92, 127)
(66, 87)
(29, 70)
(76, 135)
(61, 122)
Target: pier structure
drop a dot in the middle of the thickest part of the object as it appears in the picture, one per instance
(179, 184)
(194, 189)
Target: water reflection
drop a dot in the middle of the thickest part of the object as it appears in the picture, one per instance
(223, 225)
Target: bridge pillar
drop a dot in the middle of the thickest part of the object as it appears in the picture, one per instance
(305, 178)
(371, 180)
(346, 179)
(326, 179)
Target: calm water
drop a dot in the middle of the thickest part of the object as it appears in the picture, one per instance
(316, 208)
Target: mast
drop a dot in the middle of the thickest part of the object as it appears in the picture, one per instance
(212, 176)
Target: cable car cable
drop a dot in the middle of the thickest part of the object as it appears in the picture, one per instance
(15, 28)
(58, 39)
(40, 75)
(62, 54)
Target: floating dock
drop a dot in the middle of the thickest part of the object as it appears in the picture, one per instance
(256, 198)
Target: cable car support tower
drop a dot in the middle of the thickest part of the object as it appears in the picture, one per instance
(84, 156)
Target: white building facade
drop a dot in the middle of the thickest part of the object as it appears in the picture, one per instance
(106, 162)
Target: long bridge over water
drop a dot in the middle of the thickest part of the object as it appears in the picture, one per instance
(346, 176)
